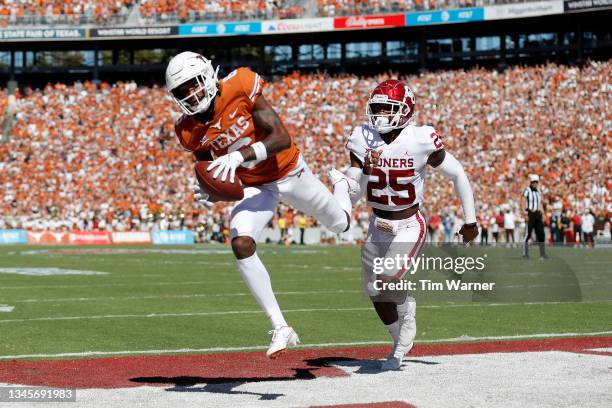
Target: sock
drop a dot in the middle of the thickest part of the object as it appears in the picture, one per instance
(341, 194)
(394, 330)
(257, 279)
(407, 310)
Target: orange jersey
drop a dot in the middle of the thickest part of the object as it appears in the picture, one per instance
(232, 127)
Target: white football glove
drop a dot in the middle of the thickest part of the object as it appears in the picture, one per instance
(201, 196)
(226, 164)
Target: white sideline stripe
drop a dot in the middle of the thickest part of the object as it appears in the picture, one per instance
(300, 346)
(309, 279)
(236, 312)
(602, 350)
(196, 295)
(98, 285)
(229, 312)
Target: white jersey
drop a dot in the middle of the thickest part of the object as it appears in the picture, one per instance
(397, 182)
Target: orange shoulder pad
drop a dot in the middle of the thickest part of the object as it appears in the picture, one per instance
(243, 82)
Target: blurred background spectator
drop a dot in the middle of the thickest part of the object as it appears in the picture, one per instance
(86, 156)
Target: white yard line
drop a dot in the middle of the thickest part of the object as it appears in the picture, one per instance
(313, 345)
(281, 293)
(150, 315)
(6, 308)
(174, 283)
(237, 312)
(196, 295)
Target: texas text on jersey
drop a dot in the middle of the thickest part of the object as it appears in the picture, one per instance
(232, 127)
(396, 183)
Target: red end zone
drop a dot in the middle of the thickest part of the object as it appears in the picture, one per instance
(247, 367)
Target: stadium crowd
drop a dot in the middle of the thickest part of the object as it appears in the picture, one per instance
(51, 12)
(104, 156)
(108, 12)
(153, 11)
(356, 7)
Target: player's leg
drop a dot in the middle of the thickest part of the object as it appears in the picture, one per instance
(376, 245)
(530, 228)
(401, 323)
(249, 218)
(302, 190)
(410, 240)
(347, 187)
(539, 232)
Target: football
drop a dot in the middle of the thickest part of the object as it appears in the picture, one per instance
(218, 190)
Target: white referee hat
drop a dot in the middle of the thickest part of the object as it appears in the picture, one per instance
(534, 177)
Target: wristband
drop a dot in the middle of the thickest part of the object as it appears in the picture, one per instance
(260, 151)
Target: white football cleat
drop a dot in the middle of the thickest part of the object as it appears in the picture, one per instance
(407, 318)
(354, 189)
(392, 363)
(281, 338)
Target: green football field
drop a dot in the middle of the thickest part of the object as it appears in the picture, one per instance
(168, 299)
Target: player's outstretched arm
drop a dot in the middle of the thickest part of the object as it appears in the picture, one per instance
(267, 120)
(452, 169)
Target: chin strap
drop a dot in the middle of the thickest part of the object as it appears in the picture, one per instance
(452, 169)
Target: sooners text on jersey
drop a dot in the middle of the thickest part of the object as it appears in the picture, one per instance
(397, 182)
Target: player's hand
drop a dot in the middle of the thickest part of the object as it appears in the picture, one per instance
(201, 196)
(370, 161)
(469, 232)
(226, 164)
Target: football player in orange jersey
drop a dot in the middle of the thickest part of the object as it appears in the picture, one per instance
(230, 122)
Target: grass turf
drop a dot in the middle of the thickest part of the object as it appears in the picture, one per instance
(190, 287)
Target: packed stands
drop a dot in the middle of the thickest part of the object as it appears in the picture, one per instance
(84, 152)
(63, 12)
(116, 12)
(331, 8)
(155, 11)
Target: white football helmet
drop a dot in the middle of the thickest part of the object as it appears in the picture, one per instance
(188, 66)
(397, 101)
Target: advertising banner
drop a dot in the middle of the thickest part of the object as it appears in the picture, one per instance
(89, 237)
(47, 237)
(361, 22)
(43, 34)
(301, 25)
(13, 236)
(182, 237)
(131, 237)
(446, 16)
(161, 31)
(520, 10)
(585, 5)
(253, 27)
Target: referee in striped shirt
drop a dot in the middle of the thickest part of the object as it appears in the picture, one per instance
(532, 205)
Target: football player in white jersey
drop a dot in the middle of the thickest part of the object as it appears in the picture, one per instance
(389, 159)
